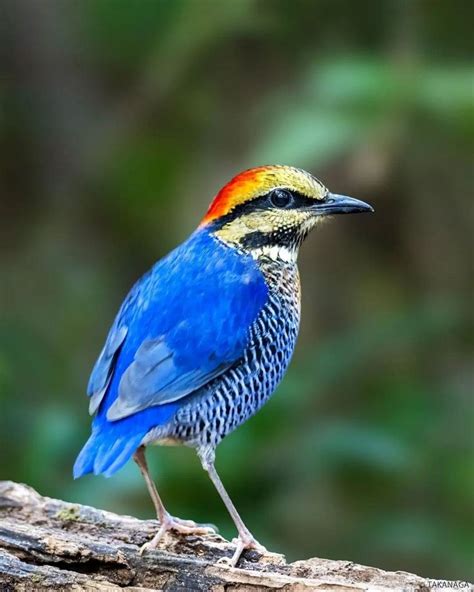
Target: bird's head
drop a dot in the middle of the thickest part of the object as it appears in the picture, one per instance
(268, 211)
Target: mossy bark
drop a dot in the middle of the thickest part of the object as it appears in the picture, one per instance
(48, 544)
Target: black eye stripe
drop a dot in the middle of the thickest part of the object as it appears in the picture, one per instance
(263, 202)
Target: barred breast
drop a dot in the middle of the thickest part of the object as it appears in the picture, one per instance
(229, 400)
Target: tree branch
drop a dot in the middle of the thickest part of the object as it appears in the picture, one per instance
(48, 544)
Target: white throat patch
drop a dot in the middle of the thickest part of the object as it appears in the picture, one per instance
(276, 253)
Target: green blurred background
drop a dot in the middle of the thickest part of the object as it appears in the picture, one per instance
(119, 122)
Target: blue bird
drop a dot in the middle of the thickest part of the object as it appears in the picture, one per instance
(203, 339)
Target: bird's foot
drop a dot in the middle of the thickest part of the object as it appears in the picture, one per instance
(242, 542)
(179, 523)
(185, 527)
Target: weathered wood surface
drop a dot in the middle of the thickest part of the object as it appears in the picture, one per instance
(47, 544)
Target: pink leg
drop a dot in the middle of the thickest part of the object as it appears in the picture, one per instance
(245, 540)
(167, 522)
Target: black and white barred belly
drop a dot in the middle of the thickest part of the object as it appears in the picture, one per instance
(217, 409)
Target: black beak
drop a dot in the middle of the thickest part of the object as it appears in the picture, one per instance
(340, 204)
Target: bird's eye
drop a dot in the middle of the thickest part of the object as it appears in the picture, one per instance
(281, 198)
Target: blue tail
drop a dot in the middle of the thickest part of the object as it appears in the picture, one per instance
(112, 444)
(101, 454)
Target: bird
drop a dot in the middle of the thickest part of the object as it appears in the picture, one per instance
(202, 340)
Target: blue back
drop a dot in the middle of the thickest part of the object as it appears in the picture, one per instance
(182, 324)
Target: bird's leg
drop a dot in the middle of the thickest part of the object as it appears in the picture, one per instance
(167, 522)
(140, 459)
(245, 540)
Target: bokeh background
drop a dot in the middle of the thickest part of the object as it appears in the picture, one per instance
(119, 122)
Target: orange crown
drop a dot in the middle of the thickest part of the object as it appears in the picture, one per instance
(260, 180)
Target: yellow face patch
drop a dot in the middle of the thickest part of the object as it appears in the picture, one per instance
(258, 181)
(277, 223)
(265, 222)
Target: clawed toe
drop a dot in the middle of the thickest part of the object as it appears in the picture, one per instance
(242, 543)
(191, 527)
(147, 547)
(185, 527)
(250, 543)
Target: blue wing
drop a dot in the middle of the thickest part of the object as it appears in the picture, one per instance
(103, 369)
(105, 364)
(156, 376)
(182, 324)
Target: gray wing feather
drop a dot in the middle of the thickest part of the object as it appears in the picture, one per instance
(103, 369)
(153, 378)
